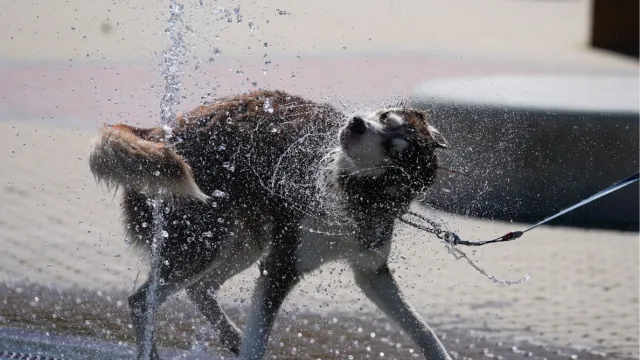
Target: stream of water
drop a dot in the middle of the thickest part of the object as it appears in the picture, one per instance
(170, 99)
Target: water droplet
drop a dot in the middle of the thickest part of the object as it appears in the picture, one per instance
(252, 27)
(221, 220)
(168, 131)
(219, 193)
(268, 107)
(229, 166)
(165, 234)
(238, 14)
(197, 347)
(144, 224)
(264, 272)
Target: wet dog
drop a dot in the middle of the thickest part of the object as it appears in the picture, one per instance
(271, 177)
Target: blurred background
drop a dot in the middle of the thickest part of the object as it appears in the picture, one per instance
(539, 99)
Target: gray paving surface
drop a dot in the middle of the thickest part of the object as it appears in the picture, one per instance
(58, 228)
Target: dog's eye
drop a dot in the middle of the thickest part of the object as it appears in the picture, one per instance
(393, 121)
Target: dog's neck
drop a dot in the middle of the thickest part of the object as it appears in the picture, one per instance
(379, 194)
(373, 198)
(374, 204)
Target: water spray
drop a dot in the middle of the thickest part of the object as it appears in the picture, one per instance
(171, 97)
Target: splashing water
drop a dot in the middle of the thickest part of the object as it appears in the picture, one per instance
(171, 71)
(171, 97)
(159, 235)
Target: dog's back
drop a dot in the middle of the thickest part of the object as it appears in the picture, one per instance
(240, 158)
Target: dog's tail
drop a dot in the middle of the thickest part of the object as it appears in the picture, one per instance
(138, 159)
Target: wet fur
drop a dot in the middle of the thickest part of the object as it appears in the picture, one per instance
(220, 160)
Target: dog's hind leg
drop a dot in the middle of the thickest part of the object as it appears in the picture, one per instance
(278, 275)
(234, 259)
(175, 275)
(139, 306)
(381, 288)
(203, 293)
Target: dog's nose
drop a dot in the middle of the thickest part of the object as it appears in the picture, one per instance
(356, 125)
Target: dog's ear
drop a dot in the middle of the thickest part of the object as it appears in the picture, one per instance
(440, 141)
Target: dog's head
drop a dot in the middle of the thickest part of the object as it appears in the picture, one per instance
(398, 141)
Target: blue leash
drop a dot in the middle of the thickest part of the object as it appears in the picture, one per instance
(454, 239)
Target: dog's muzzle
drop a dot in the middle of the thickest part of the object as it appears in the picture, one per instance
(356, 126)
(350, 134)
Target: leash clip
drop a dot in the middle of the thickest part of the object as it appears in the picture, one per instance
(454, 239)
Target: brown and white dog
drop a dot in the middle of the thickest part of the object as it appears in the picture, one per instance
(272, 177)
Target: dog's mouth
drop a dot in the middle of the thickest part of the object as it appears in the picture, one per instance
(347, 142)
(351, 146)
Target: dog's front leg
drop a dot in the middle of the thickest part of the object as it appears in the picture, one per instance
(278, 275)
(381, 288)
(273, 286)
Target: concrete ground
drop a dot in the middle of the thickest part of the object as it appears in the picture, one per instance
(67, 66)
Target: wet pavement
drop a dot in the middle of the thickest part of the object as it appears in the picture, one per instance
(68, 66)
(76, 318)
